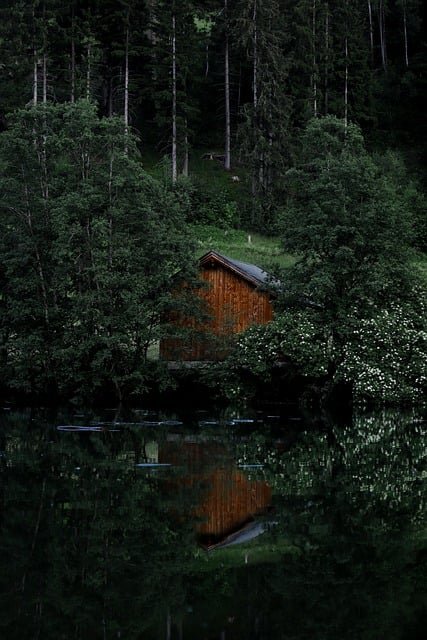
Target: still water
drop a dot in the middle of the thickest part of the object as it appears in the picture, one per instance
(200, 529)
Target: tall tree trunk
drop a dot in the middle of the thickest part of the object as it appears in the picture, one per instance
(207, 60)
(371, 28)
(314, 72)
(168, 625)
(227, 156)
(346, 84)
(239, 89)
(174, 127)
(383, 42)
(126, 106)
(255, 54)
(88, 70)
(35, 78)
(405, 35)
(44, 78)
(73, 60)
(255, 177)
(185, 163)
(326, 80)
(110, 96)
(35, 62)
(44, 59)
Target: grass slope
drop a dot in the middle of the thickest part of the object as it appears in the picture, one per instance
(264, 251)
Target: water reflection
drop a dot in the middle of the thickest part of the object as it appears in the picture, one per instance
(94, 546)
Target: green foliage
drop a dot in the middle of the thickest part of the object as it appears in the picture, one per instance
(89, 244)
(209, 205)
(295, 338)
(343, 221)
(385, 357)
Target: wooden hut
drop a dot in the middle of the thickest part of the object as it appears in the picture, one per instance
(235, 297)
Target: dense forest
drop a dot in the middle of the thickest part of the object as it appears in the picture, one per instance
(127, 125)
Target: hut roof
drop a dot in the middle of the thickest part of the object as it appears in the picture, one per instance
(249, 272)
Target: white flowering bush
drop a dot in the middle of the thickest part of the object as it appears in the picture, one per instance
(294, 337)
(385, 356)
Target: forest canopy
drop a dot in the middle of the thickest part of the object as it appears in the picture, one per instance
(88, 245)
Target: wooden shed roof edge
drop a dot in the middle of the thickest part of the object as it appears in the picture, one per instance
(250, 272)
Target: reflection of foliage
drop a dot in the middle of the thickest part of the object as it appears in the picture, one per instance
(353, 500)
(82, 532)
(90, 547)
(374, 468)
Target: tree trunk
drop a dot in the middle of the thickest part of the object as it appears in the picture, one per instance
(405, 34)
(73, 70)
(314, 73)
(383, 43)
(73, 59)
(35, 78)
(126, 107)
(174, 128)
(346, 84)
(371, 28)
(110, 97)
(88, 70)
(185, 163)
(44, 78)
(326, 82)
(227, 156)
(255, 54)
(168, 625)
(255, 96)
(35, 62)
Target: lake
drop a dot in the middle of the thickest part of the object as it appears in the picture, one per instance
(240, 525)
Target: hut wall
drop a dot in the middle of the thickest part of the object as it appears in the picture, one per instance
(233, 304)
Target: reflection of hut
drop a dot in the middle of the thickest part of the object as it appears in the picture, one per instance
(235, 297)
(230, 498)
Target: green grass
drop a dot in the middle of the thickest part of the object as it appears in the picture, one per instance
(259, 551)
(264, 251)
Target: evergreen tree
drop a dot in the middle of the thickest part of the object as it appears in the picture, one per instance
(89, 243)
(344, 217)
(264, 134)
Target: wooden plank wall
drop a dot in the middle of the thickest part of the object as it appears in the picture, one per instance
(233, 304)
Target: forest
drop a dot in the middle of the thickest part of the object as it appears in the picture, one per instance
(134, 131)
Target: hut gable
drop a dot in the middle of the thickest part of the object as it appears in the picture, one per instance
(250, 272)
(235, 297)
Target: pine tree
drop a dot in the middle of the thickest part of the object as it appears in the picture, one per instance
(264, 135)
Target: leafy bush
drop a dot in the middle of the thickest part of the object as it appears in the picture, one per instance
(207, 205)
(294, 337)
(385, 357)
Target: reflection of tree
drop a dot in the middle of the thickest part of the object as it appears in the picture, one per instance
(89, 546)
(353, 501)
